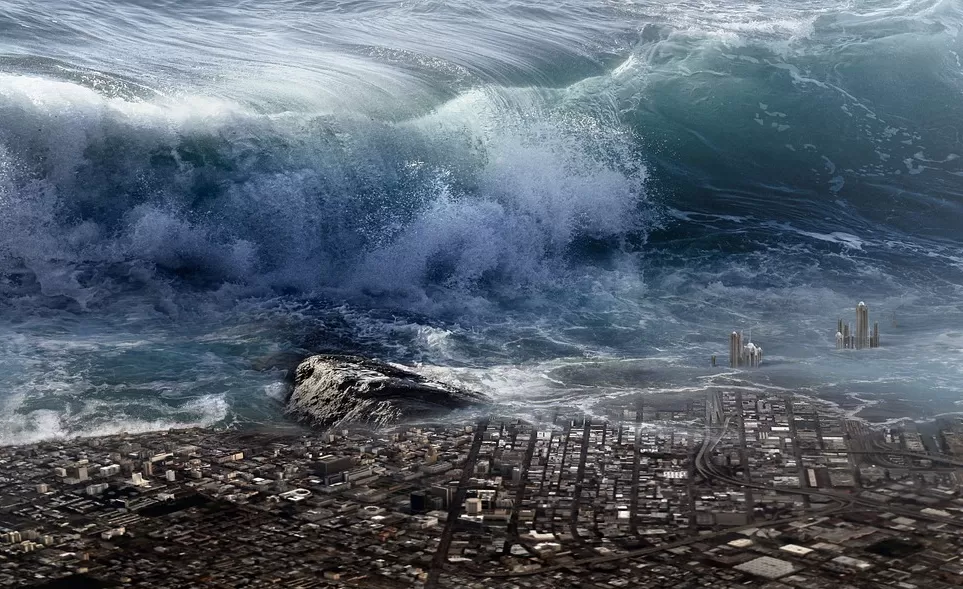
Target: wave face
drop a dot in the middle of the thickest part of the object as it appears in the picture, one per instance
(513, 193)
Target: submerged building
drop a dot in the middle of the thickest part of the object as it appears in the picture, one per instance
(749, 354)
(861, 337)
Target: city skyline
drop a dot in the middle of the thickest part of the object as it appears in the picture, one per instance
(861, 337)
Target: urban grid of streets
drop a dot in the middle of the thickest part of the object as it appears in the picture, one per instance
(734, 489)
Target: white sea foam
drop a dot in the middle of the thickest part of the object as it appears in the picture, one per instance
(26, 427)
(540, 181)
(467, 185)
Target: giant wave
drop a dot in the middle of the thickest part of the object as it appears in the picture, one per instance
(509, 192)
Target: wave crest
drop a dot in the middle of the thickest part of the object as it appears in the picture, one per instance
(497, 185)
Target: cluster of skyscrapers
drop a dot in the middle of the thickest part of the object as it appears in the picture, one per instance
(861, 337)
(749, 355)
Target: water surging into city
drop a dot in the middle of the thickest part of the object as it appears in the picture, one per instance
(555, 203)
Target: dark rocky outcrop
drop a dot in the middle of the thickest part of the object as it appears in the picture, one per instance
(331, 389)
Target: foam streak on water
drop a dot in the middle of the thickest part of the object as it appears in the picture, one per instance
(556, 202)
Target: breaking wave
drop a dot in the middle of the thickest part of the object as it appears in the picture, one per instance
(97, 193)
(506, 191)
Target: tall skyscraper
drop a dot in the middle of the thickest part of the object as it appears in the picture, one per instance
(740, 354)
(735, 350)
(859, 337)
(862, 326)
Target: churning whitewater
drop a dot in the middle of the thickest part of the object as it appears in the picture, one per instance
(553, 203)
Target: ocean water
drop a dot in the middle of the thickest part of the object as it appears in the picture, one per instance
(559, 203)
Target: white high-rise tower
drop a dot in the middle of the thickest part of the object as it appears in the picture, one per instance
(861, 336)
